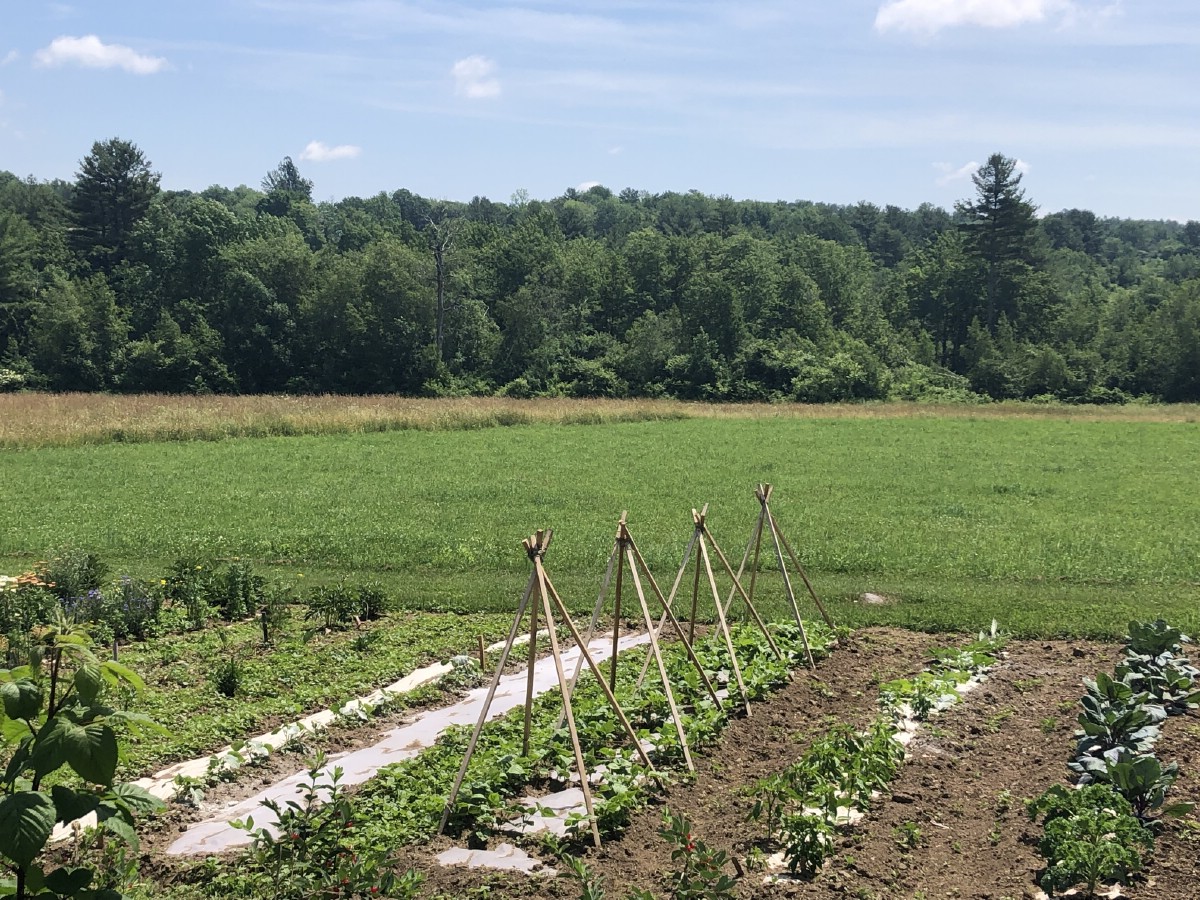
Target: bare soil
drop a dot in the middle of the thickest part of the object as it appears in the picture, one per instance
(962, 788)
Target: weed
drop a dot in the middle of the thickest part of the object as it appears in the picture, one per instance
(907, 835)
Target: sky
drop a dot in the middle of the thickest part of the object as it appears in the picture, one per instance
(837, 101)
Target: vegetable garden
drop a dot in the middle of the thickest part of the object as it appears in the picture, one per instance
(793, 798)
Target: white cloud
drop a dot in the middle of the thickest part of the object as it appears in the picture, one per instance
(10, 57)
(319, 151)
(950, 174)
(472, 78)
(586, 186)
(92, 53)
(929, 16)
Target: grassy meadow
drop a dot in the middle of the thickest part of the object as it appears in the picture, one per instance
(1053, 520)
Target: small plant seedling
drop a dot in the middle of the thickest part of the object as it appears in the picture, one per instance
(908, 835)
(1049, 724)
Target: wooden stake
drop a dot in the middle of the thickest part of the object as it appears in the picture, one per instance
(787, 583)
(738, 587)
(670, 615)
(585, 655)
(755, 539)
(482, 655)
(695, 601)
(533, 628)
(733, 660)
(662, 668)
(804, 575)
(580, 767)
(591, 630)
(487, 704)
(662, 620)
(612, 663)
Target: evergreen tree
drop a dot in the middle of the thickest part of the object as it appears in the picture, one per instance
(999, 226)
(113, 190)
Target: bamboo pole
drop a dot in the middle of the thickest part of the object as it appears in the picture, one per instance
(487, 703)
(591, 662)
(738, 586)
(612, 663)
(662, 668)
(787, 583)
(752, 545)
(804, 575)
(662, 621)
(712, 581)
(533, 627)
(580, 767)
(591, 629)
(670, 615)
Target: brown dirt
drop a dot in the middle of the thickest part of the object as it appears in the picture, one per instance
(962, 788)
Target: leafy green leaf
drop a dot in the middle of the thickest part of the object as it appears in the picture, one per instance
(113, 672)
(71, 804)
(26, 822)
(69, 881)
(123, 830)
(88, 683)
(22, 699)
(92, 752)
(135, 799)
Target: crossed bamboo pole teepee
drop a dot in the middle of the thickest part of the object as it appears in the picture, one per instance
(550, 601)
(701, 540)
(625, 555)
(766, 522)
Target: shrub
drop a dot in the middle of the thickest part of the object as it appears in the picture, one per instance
(236, 592)
(189, 586)
(72, 572)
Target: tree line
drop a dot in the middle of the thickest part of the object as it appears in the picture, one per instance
(109, 283)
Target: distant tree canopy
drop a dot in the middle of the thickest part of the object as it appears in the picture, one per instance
(109, 283)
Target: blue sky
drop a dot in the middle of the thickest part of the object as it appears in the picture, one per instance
(891, 101)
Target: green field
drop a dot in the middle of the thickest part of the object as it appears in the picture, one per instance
(1051, 525)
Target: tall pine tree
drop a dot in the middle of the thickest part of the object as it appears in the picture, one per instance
(113, 191)
(999, 227)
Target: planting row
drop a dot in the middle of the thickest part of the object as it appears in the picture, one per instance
(74, 585)
(841, 773)
(403, 803)
(1101, 831)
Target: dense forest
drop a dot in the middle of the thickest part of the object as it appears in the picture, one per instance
(110, 283)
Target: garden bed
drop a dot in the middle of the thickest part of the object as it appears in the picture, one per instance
(953, 823)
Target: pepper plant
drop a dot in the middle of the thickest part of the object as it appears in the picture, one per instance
(54, 718)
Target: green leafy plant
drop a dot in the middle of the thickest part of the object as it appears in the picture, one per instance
(907, 835)
(188, 587)
(1142, 780)
(236, 591)
(54, 717)
(807, 840)
(592, 888)
(699, 874)
(1091, 835)
(310, 851)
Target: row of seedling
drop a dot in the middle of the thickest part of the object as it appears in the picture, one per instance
(843, 771)
(1101, 831)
